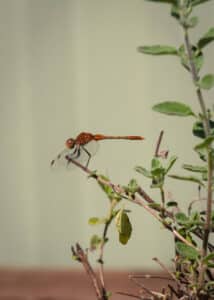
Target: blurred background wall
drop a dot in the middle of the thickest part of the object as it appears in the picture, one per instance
(69, 66)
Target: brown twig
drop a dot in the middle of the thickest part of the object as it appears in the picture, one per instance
(206, 126)
(149, 276)
(157, 148)
(154, 294)
(82, 257)
(166, 269)
(129, 295)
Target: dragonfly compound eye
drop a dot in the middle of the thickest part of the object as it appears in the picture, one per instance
(70, 143)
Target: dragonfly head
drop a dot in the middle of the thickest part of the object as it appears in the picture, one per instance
(70, 143)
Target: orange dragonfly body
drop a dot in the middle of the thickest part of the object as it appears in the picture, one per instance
(85, 145)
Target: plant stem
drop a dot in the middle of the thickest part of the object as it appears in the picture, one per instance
(206, 125)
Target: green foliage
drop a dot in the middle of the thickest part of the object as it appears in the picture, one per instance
(173, 108)
(96, 221)
(108, 190)
(189, 229)
(187, 178)
(158, 50)
(123, 226)
(198, 129)
(207, 82)
(206, 39)
(95, 242)
(186, 251)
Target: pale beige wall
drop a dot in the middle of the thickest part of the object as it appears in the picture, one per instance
(69, 66)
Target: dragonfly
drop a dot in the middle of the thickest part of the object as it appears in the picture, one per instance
(84, 146)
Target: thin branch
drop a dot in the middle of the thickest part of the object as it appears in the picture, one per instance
(157, 149)
(134, 199)
(166, 269)
(82, 257)
(149, 276)
(129, 295)
(206, 125)
(154, 294)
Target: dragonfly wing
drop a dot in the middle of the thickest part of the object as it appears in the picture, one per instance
(91, 147)
(79, 153)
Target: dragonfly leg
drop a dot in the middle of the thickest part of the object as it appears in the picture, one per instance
(89, 156)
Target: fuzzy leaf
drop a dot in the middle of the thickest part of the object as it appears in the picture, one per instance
(143, 171)
(192, 22)
(198, 129)
(96, 221)
(124, 226)
(181, 218)
(173, 108)
(158, 50)
(209, 257)
(95, 242)
(187, 251)
(206, 39)
(188, 178)
(108, 190)
(172, 204)
(205, 144)
(197, 169)
(207, 82)
(170, 164)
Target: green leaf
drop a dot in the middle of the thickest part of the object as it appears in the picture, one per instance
(95, 242)
(188, 178)
(143, 171)
(170, 164)
(187, 251)
(175, 11)
(96, 221)
(207, 82)
(206, 39)
(133, 186)
(205, 144)
(197, 169)
(158, 50)
(192, 22)
(181, 218)
(207, 258)
(155, 206)
(173, 108)
(171, 204)
(124, 226)
(108, 189)
(156, 167)
(198, 59)
(198, 129)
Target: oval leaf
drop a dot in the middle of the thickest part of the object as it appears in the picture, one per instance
(205, 144)
(158, 50)
(207, 82)
(207, 38)
(124, 226)
(188, 178)
(186, 251)
(143, 171)
(197, 169)
(173, 108)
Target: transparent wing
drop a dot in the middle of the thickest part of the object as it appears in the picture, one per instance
(81, 154)
(92, 147)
